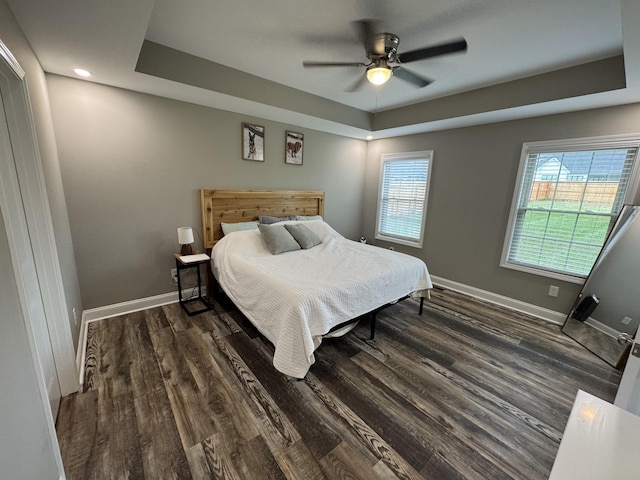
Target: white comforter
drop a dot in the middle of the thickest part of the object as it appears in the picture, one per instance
(296, 297)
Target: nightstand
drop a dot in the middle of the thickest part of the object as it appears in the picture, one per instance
(187, 262)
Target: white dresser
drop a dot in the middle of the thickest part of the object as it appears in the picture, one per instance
(601, 442)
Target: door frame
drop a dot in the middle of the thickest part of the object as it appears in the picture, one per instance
(16, 109)
(30, 196)
(29, 228)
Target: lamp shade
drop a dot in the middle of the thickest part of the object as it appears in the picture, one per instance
(379, 75)
(185, 235)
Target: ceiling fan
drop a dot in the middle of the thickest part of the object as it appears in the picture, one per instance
(384, 60)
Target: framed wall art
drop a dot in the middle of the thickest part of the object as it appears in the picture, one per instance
(294, 148)
(252, 142)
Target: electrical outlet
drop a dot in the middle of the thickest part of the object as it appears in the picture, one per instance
(174, 276)
(553, 290)
(75, 316)
(626, 320)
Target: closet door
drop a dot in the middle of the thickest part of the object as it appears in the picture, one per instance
(24, 268)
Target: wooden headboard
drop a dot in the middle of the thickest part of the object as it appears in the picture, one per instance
(233, 206)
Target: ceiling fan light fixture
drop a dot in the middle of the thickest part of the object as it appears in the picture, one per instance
(381, 50)
(379, 75)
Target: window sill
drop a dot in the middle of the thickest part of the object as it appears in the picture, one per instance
(544, 273)
(399, 241)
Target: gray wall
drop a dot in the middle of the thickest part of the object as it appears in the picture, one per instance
(473, 179)
(132, 166)
(13, 37)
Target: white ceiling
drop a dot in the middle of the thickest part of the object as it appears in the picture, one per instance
(508, 40)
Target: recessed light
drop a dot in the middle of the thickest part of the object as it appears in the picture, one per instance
(82, 72)
(369, 137)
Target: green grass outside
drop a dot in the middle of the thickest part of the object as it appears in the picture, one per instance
(569, 242)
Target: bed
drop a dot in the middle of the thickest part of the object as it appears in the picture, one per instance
(298, 297)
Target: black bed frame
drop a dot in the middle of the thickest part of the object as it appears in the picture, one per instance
(373, 314)
(217, 290)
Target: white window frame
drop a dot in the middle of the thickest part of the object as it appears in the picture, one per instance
(399, 157)
(568, 145)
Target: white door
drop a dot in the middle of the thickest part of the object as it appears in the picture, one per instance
(24, 264)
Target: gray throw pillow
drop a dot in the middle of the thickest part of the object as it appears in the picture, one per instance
(303, 235)
(278, 239)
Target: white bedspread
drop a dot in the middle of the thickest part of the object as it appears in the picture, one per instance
(296, 297)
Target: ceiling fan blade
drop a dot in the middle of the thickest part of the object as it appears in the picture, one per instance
(367, 32)
(308, 64)
(459, 45)
(411, 77)
(358, 84)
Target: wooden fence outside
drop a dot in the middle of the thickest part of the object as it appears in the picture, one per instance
(596, 192)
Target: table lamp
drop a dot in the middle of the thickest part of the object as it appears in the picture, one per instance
(185, 238)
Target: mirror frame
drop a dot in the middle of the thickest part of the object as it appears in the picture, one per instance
(613, 350)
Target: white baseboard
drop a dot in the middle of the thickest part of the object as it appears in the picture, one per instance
(100, 313)
(540, 312)
(528, 308)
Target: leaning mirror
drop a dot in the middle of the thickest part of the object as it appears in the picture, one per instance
(605, 316)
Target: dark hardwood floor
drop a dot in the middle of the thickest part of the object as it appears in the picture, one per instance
(465, 391)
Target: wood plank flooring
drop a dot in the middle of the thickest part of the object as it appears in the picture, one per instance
(468, 390)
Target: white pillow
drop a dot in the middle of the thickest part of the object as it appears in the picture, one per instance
(227, 228)
(306, 218)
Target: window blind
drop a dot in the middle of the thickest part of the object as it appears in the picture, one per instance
(403, 194)
(567, 205)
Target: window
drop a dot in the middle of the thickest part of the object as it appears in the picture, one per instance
(557, 227)
(402, 200)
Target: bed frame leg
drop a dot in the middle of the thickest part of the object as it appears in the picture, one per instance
(373, 325)
(375, 312)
